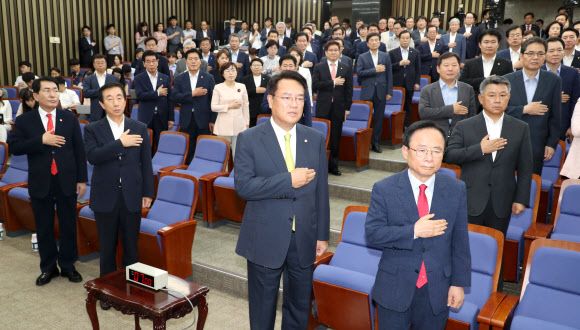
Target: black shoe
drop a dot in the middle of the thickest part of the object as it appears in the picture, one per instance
(334, 172)
(45, 278)
(104, 305)
(73, 276)
(376, 148)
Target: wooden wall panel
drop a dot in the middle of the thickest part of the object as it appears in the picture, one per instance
(26, 26)
(416, 8)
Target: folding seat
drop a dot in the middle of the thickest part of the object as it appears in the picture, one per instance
(172, 150)
(355, 142)
(16, 176)
(11, 90)
(425, 80)
(83, 124)
(551, 177)
(314, 108)
(550, 293)
(128, 81)
(567, 221)
(82, 71)
(394, 117)
(3, 157)
(87, 235)
(323, 126)
(135, 112)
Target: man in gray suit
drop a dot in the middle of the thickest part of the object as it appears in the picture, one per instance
(182, 66)
(447, 101)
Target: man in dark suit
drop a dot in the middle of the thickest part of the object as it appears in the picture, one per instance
(477, 69)
(272, 35)
(122, 181)
(406, 67)
(310, 59)
(419, 218)
(232, 29)
(471, 33)
(153, 90)
(571, 55)
(205, 32)
(283, 40)
(342, 58)
(485, 24)
(490, 148)
(256, 84)
(570, 84)
(88, 47)
(193, 90)
(57, 173)
(375, 77)
(529, 24)
(447, 101)
(537, 100)
(419, 35)
(267, 28)
(430, 51)
(338, 33)
(94, 82)
(239, 57)
(332, 83)
(514, 35)
(163, 67)
(290, 32)
(287, 218)
(362, 47)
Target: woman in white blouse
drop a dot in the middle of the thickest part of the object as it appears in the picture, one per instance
(304, 72)
(230, 101)
(255, 35)
(6, 113)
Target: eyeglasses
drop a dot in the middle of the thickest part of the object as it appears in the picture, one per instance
(515, 35)
(421, 153)
(151, 62)
(230, 70)
(288, 99)
(534, 54)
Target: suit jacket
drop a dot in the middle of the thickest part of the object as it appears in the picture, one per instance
(362, 48)
(570, 86)
(545, 129)
(210, 61)
(409, 75)
(182, 66)
(332, 101)
(200, 106)
(432, 106)
(472, 42)
(227, 32)
(255, 98)
(390, 225)
(262, 179)
(371, 81)
(461, 42)
(263, 52)
(210, 34)
(306, 119)
(317, 49)
(428, 62)
(416, 36)
(287, 43)
(534, 27)
(292, 33)
(112, 161)
(343, 59)
(70, 158)
(506, 54)
(486, 25)
(85, 50)
(163, 66)
(485, 178)
(264, 34)
(310, 56)
(472, 73)
(576, 60)
(245, 69)
(91, 90)
(149, 99)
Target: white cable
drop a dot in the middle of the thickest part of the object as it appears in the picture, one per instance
(192, 308)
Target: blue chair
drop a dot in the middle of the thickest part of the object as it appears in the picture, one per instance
(262, 118)
(355, 80)
(175, 127)
(15, 104)
(567, 221)
(394, 117)
(135, 112)
(568, 145)
(313, 109)
(323, 126)
(550, 175)
(3, 157)
(356, 94)
(425, 80)
(68, 81)
(222, 202)
(16, 176)
(447, 171)
(348, 276)
(12, 92)
(172, 150)
(355, 142)
(82, 71)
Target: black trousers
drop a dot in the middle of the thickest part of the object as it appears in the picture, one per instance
(109, 226)
(335, 134)
(538, 165)
(263, 286)
(193, 132)
(172, 48)
(157, 126)
(407, 106)
(419, 315)
(66, 209)
(379, 103)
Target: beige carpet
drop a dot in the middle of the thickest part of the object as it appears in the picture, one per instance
(61, 304)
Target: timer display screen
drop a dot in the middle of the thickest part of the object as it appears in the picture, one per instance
(141, 278)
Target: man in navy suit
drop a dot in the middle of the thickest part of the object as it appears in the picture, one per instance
(206, 54)
(267, 28)
(153, 90)
(419, 218)
(514, 35)
(57, 173)
(570, 83)
(239, 57)
(529, 24)
(375, 77)
(94, 82)
(232, 29)
(459, 44)
(193, 90)
(406, 67)
(310, 59)
(571, 55)
(536, 98)
(88, 47)
(430, 51)
(205, 32)
(122, 181)
(362, 46)
(471, 33)
(163, 67)
(281, 170)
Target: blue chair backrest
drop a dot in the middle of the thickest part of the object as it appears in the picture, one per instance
(422, 83)
(170, 150)
(359, 116)
(82, 125)
(551, 169)
(356, 94)
(175, 120)
(18, 170)
(397, 98)
(82, 72)
(128, 81)
(355, 80)
(262, 120)
(174, 200)
(2, 156)
(90, 169)
(320, 126)
(448, 171)
(209, 156)
(15, 104)
(78, 91)
(12, 93)
(68, 82)
(353, 252)
(313, 108)
(569, 209)
(483, 260)
(135, 112)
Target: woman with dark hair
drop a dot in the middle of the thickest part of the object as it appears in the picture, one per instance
(55, 72)
(117, 63)
(255, 34)
(142, 34)
(180, 54)
(230, 101)
(554, 30)
(28, 103)
(161, 37)
(6, 117)
(118, 72)
(222, 57)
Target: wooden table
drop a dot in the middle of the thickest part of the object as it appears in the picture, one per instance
(134, 299)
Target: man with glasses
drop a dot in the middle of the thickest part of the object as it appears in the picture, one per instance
(537, 100)
(514, 35)
(490, 148)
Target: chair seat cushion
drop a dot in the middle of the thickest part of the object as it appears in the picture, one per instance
(568, 225)
(224, 182)
(152, 227)
(156, 168)
(529, 323)
(566, 237)
(467, 313)
(19, 192)
(344, 278)
(547, 184)
(349, 131)
(87, 212)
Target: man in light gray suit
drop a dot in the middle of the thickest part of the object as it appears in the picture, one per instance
(455, 41)
(447, 101)
(182, 66)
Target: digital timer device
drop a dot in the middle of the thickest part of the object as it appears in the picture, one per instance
(146, 275)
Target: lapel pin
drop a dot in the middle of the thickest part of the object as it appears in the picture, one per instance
(305, 141)
(61, 120)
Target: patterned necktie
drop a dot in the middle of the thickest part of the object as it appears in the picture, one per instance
(333, 72)
(49, 127)
(289, 164)
(423, 208)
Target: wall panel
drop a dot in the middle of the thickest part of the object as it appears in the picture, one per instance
(408, 8)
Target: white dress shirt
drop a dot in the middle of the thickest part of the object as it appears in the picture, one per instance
(117, 129)
(234, 56)
(281, 41)
(193, 81)
(422, 33)
(44, 118)
(309, 48)
(493, 129)
(405, 53)
(101, 79)
(257, 80)
(280, 133)
(375, 58)
(206, 57)
(432, 46)
(452, 37)
(568, 59)
(153, 79)
(288, 32)
(204, 32)
(468, 29)
(487, 66)
(68, 98)
(515, 56)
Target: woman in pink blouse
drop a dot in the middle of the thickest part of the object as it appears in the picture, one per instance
(142, 34)
(161, 38)
(230, 101)
(571, 168)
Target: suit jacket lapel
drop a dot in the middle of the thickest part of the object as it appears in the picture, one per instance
(496, 66)
(482, 128)
(272, 147)
(38, 122)
(407, 198)
(262, 81)
(439, 94)
(519, 88)
(302, 146)
(58, 127)
(109, 137)
(505, 133)
(479, 66)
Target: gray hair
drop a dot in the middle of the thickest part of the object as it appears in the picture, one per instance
(494, 80)
(281, 23)
(189, 41)
(454, 20)
(233, 35)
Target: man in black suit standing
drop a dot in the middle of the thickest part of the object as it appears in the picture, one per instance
(537, 100)
(430, 51)
(529, 24)
(406, 66)
(122, 181)
(256, 84)
(88, 47)
(163, 67)
(283, 40)
(289, 32)
(571, 55)
(471, 33)
(332, 81)
(57, 174)
(94, 82)
(490, 148)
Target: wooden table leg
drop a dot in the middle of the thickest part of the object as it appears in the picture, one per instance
(137, 326)
(202, 311)
(92, 310)
(159, 323)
